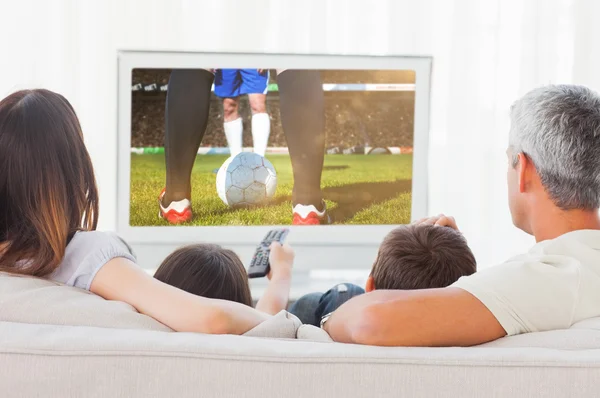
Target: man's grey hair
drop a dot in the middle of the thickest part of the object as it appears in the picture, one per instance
(558, 128)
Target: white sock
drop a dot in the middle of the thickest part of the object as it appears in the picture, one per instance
(233, 133)
(261, 129)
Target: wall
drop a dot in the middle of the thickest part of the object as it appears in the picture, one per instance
(486, 53)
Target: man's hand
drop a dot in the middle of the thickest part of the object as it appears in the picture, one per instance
(260, 71)
(281, 259)
(440, 220)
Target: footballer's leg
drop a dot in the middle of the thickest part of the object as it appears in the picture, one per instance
(261, 123)
(302, 105)
(255, 83)
(227, 87)
(186, 114)
(232, 125)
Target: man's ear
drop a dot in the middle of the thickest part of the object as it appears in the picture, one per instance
(523, 168)
(370, 285)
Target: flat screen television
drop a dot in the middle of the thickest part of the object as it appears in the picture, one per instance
(356, 127)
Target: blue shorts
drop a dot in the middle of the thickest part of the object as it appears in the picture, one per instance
(231, 83)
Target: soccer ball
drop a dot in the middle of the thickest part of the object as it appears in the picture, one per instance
(246, 179)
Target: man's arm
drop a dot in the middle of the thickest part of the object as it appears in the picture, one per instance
(429, 318)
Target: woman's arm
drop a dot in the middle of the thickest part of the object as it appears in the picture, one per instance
(276, 296)
(122, 280)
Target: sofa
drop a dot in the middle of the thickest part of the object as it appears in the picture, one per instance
(58, 341)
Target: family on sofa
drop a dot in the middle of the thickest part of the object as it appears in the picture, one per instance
(423, 289)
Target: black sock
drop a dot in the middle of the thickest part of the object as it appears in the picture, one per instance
(186, 116)
(302, 106)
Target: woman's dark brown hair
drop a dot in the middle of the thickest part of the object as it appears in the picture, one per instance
(47, 185)
(207, 270)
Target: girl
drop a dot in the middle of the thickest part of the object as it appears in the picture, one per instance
(210, 271)
(49, 213)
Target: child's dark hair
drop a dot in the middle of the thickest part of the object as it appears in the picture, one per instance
(207, 270)
(422, 257)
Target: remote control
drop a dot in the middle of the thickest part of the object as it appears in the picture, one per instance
(259, 266)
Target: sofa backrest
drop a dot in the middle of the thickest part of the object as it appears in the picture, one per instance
(40, 301)
(58, 341)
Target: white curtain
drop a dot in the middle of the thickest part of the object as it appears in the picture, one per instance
(485, 54)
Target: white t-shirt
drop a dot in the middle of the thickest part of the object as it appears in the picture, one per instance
(553, 286)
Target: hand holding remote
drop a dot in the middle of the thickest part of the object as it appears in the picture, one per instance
(260, 265)
(275, 260)
(281, 259)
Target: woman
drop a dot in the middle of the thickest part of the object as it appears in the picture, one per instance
(48, 217)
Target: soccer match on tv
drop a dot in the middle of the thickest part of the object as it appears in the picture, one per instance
(234, 147)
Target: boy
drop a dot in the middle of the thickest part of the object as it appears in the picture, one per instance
(410, 257)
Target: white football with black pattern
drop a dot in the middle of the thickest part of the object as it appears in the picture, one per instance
(246, 179)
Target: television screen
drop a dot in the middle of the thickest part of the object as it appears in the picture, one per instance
(260, 146)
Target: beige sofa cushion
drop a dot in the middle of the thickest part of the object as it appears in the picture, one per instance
(40, 301)
(313, 333)
(280, 326)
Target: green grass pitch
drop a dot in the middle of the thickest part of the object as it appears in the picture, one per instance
(358, 189)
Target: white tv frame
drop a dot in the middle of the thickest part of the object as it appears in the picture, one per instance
(346, 239)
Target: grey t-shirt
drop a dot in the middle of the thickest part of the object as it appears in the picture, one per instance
(86, 253)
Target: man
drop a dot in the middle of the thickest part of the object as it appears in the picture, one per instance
(230, 84)
(301, 101)
(554, 194)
